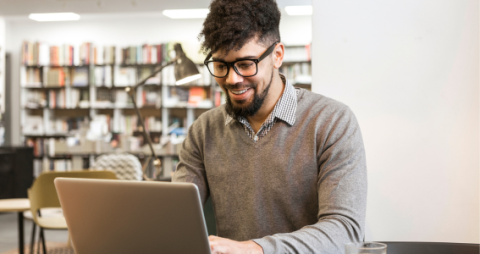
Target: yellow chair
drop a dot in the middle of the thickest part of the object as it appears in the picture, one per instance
(43, 194)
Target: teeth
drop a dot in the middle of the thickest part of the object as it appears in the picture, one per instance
(239, 92)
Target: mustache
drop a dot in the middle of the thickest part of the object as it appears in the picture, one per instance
(239, 86)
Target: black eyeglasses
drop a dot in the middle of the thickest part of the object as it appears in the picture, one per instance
(243, 67)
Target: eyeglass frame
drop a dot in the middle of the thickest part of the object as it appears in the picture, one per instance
(232, 64)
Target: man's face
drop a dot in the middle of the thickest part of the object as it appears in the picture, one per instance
(246, 95)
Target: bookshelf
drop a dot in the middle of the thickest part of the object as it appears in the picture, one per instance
(75, 108)
(297, 66)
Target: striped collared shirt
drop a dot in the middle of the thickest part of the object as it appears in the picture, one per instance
(284, 110)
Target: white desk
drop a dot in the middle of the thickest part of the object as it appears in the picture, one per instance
(18, 205)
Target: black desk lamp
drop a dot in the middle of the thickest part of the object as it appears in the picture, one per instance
(185, 71)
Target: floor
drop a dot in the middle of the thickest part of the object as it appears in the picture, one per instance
(9, 232)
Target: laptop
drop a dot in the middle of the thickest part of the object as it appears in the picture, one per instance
(115, 216)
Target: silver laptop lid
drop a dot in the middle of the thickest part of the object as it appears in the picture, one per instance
(114, 216)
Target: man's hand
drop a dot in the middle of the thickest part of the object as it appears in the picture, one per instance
(220, 245)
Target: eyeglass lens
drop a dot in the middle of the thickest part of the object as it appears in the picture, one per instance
(244, 68)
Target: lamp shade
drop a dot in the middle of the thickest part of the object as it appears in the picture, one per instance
(185, 69)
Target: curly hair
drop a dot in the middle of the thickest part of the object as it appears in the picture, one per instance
(233, 23)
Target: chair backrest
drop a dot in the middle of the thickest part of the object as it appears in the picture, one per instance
(126, 166)
(43, 194)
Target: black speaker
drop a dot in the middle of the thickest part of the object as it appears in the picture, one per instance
(16, 171)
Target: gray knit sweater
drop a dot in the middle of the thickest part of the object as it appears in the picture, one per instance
(300, 189)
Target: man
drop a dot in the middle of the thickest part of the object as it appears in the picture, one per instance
(285, 167)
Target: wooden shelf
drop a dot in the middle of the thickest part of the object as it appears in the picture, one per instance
(57, 108)
(296, 62)
(55, 87)
(57, 66)
(153, 133)
(189, 86)
(46, 135)
(112, 87)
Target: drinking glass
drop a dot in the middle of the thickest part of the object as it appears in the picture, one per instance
(366, 248)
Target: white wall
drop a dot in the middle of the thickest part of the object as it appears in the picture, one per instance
(410, 71)
(121, 30)
(2, 63)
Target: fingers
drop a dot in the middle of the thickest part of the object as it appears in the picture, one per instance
(218, 245)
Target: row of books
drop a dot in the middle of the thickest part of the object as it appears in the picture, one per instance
(149, 97)
(107, 98)
(63, 99)
(43, 54)
(40, 166)
(34, 125)
(30, 77)
(57, 99)
(54, 77)
(61, 165)
(112, 98)
(128, 124)
(104, 76)
(146, 54)
(38, 146)
(299, 73)
(65, 125)
(188, 97)
(40, 53)
(128, 76)
(297, 54)
(104, 54)
(35, 99)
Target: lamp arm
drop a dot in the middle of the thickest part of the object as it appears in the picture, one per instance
(146, 133)
(131, 92)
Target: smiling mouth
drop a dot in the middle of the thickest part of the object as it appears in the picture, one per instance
(239, 92)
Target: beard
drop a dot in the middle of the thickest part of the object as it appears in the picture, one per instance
(250, 109)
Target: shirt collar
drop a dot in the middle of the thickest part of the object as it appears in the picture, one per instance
(286, 106)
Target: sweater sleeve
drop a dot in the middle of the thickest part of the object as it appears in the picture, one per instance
(342, 193)
(190, 167)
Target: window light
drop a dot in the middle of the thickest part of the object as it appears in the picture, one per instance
(59, 16)
(299, 10)
(186, 13)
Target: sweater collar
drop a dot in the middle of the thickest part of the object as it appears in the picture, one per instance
(286, 106)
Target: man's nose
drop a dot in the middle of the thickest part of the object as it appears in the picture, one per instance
(233, 77)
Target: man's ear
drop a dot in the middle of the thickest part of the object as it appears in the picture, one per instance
(278, 54)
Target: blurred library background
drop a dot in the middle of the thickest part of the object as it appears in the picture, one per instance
(408, 71)
(64, 99)
(63, 82)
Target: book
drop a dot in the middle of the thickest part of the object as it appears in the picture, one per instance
(35, 99)
(151, 97)
(43, 54)
(196, 96)
(125, 76)
(55, 77)
(80, 77)
(84, 53)
(103, 76)
(30, 77)
(33, 125)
